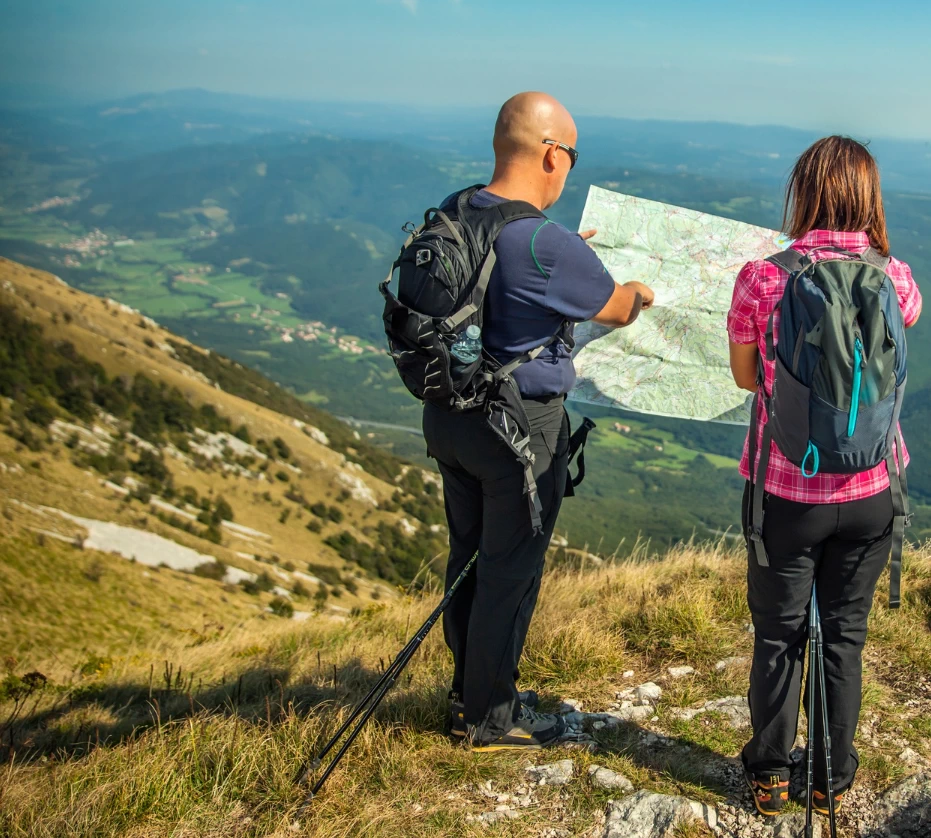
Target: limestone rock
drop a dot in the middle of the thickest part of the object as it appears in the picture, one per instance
(629, 714)
(605, 778)
(791, 826)
(736, 660)
(680, 671)
(553, 774)
(648, 692)
(646, 814)
(905, 809)
(733, 707)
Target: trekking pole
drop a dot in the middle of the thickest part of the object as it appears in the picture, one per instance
(369, 704)
(824, 720)
(812, 662)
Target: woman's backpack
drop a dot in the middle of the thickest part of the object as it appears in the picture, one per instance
(840, 379)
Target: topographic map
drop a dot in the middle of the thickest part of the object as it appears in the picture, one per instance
(673, 361)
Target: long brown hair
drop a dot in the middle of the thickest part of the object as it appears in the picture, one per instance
(835, 186)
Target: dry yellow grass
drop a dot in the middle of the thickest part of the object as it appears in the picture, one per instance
(222, 760)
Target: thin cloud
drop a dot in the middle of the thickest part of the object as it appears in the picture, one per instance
(410, 5)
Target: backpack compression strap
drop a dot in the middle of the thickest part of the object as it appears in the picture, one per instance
(901, 517)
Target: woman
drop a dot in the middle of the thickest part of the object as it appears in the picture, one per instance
(833, 529)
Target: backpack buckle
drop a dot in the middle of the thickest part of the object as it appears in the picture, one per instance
(755, 534)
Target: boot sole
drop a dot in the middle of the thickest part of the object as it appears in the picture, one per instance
(487, 749)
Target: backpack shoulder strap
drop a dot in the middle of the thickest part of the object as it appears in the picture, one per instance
(482, 226)
(789, 260)
(874, 258)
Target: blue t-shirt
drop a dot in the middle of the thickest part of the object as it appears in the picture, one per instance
(544, 275)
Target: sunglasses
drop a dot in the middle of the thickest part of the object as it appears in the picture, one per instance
(573, 154)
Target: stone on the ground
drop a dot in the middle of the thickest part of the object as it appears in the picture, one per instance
(574, 719)
(645, 814)
(791, 826)
(629, 714)
(733, 707)
(502, 813)
(629, 673)
(605, 778)
(553, 774)
(909, 756)
(680, 671)
(736, 660)
(648, 692)
(570, 705)
(904, 810)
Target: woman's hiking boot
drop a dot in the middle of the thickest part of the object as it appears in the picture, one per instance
(770, 791)
(457, 725)
(532, 730)
(819, 801)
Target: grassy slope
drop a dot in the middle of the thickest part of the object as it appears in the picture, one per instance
(115, 338)
(221, 760)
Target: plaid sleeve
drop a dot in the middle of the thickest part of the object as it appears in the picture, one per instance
(741, 318)
(907, 291)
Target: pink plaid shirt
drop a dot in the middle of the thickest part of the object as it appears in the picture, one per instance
(758, 288)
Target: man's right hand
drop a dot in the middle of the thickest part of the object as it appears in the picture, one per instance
(645, 292)
(625, 304)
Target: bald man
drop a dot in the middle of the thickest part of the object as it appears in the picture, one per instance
(545, 277)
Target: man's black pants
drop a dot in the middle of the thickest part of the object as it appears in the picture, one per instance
(844, 548)
(486, 623)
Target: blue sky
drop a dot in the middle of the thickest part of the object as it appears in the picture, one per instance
(855, 66)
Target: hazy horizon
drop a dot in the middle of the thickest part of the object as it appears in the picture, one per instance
(670, 60)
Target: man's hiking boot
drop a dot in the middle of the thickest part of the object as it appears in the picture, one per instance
(531, 730)
(457, 725)
(819, 801)
(770, 791)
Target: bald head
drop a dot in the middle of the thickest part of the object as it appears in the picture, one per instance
(527, 119)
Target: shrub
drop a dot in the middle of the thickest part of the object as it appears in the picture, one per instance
(282, 475)
(211, 570)
(41, 413)
(321, 596)
(94, 571)
(335, 514)
(222, 510)
(281, 607)
(325, 573)
(314, 525)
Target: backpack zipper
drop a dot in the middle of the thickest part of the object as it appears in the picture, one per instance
(857, 376)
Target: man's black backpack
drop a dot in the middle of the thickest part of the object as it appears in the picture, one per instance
(444, 268)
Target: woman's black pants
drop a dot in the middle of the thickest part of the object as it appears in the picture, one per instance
(844, 548)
